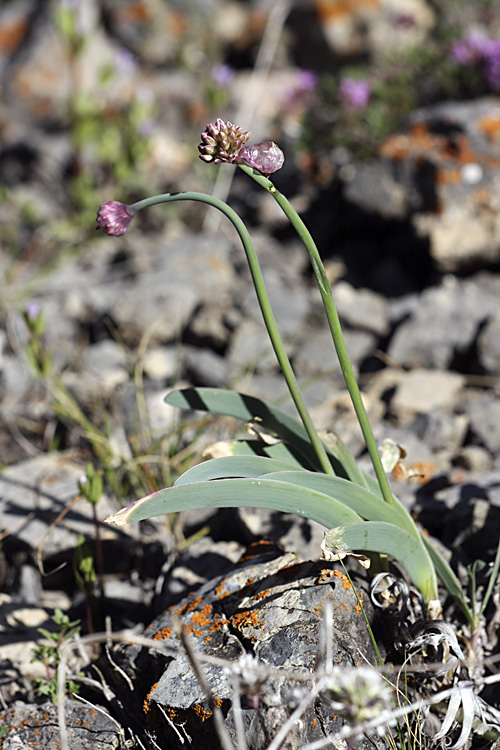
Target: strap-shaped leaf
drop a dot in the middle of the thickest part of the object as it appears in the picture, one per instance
(239, 493)
(245, 407)
(378, 536)
(365, 503)
(252, 447)
(236, 467)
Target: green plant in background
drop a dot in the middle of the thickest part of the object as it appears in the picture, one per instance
(48, 654)
(109, 134)
(119, 471)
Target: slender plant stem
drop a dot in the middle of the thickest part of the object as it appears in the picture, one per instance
(335, 327)
(265, 307)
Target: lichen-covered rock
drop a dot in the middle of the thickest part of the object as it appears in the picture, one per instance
(270, 607)
(32, 727)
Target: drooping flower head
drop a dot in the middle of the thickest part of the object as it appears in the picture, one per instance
(114, 218)
(222, 142)
(267, 157)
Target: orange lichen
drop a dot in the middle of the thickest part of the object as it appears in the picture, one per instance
(245, 619)
(202, 617)
(194, 604)
(324, 575)
(343, 578)
(262, 594)
(220, 591)
(202, 713)
(146, 705)
(490, 126)
(162, 634)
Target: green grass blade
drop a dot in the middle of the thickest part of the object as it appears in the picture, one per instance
(234, 466)
(245, 407)
(239, 493)
(378, 536)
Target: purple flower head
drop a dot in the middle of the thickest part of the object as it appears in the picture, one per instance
(478, 49)
(114, 218)
(355, 93)
(267, 157)
(222, 75)
(125, 61)
(221, 142)
(32, 311)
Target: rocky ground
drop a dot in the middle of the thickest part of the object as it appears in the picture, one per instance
(411, 243)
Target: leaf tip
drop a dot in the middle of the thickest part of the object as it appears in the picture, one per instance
(119, 518)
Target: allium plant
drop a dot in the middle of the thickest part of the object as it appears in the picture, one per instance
(300, 473)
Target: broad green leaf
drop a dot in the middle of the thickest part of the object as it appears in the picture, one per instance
(234, 466)
(253, 447)
(239, 493)
(245, 407)
(378, 536)
(336, 447)
(365, 503)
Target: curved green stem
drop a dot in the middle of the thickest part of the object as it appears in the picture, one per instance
(335, 327)
(264, 304)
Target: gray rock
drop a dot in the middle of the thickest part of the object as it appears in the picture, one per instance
(37, 726)
(32, 495)
(423, 391)
(448, 161)
(484, 415)
(268, 605)
(445, 323)
(362, 308)
(489, 346)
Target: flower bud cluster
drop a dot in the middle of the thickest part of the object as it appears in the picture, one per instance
(221, 142)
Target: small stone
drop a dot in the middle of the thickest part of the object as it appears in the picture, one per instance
(421, 391)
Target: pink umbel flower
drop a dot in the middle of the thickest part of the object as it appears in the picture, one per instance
(221, 142)
(267, 157)
(355, 93)
(114, 218)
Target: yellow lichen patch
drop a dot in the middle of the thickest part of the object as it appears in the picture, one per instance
(162, 634)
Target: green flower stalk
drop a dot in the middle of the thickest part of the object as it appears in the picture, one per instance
(114, 219)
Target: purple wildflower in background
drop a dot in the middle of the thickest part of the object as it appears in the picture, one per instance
(114, 218)
(355, 92)
(478, 49)
(267, 157)
(125, 61)
(223, 75)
